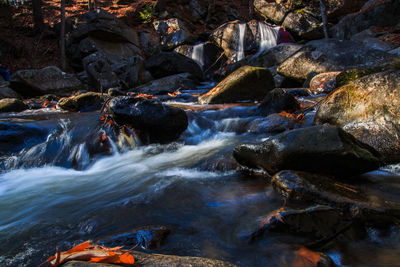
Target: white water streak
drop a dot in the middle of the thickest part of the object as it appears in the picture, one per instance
(240, 50)
(268, 36)
(198, 54)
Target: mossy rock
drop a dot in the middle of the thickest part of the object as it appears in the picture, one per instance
(67, 104)
(245, 84)
(12, 105)
(89, 101)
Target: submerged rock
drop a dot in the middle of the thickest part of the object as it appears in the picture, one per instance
(150, 237)
(12, 105)
(156, 122)
(321, 149)
(332, 55)
(316, 188)
(245, 84)
(278, 100)
(49, 80)
(368, 108)
(274, 123)
(315, 223)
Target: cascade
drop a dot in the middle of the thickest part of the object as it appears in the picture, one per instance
(240, 50)
(268, 36)
(198, 54)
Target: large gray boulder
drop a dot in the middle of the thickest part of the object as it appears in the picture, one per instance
(332, 55)
(368, 108)
(49, 80)
(170, 63)
(374, 13)
(244, 84)
(156, 122)
(320, 149)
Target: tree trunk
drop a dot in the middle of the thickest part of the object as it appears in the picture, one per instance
(37, 16)
(62, 36)
(324, 19)
(90, 5)
(94, 4)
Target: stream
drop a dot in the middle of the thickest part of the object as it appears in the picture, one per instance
(54, 193)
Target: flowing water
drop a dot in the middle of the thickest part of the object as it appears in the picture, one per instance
(240, 49)
(198, 54)
(268, 36)
(56, 193)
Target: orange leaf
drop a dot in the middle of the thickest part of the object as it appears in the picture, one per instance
(306, 258)
(80, 247)
(125, 258)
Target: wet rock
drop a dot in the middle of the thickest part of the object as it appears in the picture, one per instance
(159, 260)
(368, 108)
(12, 105)
(332, 55)
(351, 75)
(278, 100)
(316, 188)
(68, 104)
(49, 80)
(324, 82)
(15, 137)
(315, 224)
(274, 123)
(165, 85)
(373, 13)
(150, 237)
(244, 84)
(321, 149)
(303, 24)
(170, 63)
(89, 101)
(173, 32)
(156, 122)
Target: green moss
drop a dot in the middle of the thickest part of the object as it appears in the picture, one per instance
(396, 64)
(348, 76)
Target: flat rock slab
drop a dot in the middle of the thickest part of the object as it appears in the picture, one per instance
(158, 260)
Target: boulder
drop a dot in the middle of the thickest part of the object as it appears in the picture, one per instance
(89, 101)
(354, 200)
(332, 55)
(173, 32)
(150, 42)
(278, 100)
(368, 108)
(68, 104)
(156, 122)
(374, 13)
(170, 63)
(245, 84)
(6, 91)
(324, 82)
(316, 224)
(227, 37)
(320, 149)
(164, 85)
(49, 80)
(103, 26)
(12, 105)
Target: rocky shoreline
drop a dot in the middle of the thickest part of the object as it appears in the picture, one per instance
(329, 109)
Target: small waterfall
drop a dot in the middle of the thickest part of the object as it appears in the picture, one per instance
(240, 50)
(268, 36)
(198, 54)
